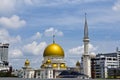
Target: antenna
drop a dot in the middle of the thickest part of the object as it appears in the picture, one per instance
(117, 49)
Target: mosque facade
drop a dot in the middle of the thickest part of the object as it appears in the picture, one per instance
(52, 65)
(53, 62)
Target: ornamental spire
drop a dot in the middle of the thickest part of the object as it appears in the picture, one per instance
(53, 38)
(86, 28)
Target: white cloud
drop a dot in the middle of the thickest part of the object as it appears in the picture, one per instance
(7, 5)
(88, 1)
(4, 35)
(57, 2)
(71, 62)
(116, 6)
(51, 31)
(6, 38)
(77, 50)
(80, 49)
(10, 6)
(13, 5)
(12, 22)
(75, 54)
(92, 55)
(48, 3)
(29, 2)
(92, 48)
(16, 53)
(36, 36)
(35, 48)
(15, 39)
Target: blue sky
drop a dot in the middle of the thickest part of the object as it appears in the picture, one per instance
(28, 26)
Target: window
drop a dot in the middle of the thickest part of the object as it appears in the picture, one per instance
(109, 59)
(102, 58)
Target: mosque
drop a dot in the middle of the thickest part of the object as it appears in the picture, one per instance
(53, 63)
(51, 66)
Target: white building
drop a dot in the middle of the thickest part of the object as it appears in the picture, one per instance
(4, 52)
(4, 64)
(44, 73)
(3, 67)
(102, 64)
(53, 62)
(118, 55)
(27, 71)
(52, 65)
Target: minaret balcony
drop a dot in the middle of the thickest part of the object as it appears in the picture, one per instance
(86, 40)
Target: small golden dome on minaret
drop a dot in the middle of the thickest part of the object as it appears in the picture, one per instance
(27, 63)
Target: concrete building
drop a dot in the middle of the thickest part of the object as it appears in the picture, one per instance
(4, 52)
(4, 63)
(118, 56)
(113, 54)
(102, 63)
(114, 73)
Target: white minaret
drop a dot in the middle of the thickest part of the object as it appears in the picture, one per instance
(86, 56)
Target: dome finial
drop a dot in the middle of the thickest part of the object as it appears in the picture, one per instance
(53, 38)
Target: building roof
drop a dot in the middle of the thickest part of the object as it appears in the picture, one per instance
(70, 74)
(107, 54)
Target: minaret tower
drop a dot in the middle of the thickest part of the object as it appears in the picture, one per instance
(86, 56)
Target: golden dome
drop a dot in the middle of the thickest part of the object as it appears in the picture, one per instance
(48, 61)
(62, 65)
(27, 63)
(53, 50)
(54, 65)
(43, 65)
(77, 63)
